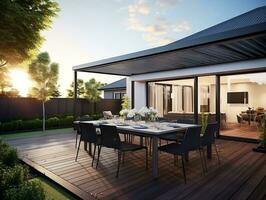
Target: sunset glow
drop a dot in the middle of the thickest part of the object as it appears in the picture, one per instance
(20, 81)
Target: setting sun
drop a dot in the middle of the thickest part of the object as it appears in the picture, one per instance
(20, 81)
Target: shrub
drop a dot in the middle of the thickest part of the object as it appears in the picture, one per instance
(7, 126)
(52, 122)
(97, 116)
(14, 183)
(66, 121)
(8, 155)
(29, 190)
(13, 176)
(35, 124)
(31, 124)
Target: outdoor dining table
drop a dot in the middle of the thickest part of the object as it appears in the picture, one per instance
(151, 129)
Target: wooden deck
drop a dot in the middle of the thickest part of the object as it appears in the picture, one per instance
(241, 175)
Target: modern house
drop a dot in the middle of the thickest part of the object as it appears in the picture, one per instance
(115, 90)
(220, 70)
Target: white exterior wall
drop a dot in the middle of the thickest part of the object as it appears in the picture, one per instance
(140, 94)
(128, 85)
(140, 85)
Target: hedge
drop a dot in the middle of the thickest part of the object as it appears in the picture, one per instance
(36, 124)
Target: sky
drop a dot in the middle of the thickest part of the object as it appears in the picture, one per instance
(89, 30)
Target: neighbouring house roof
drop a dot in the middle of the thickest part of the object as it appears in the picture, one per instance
(117, 85)
(237, 39)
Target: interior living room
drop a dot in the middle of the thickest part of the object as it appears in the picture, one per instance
(242, 97)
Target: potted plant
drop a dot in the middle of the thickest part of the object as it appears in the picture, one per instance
(204, 122)
(262, 136)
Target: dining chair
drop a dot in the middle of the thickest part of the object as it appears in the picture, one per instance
(107, 115)
(240, 120)
(111, 139)
(88, 134)
(208, 138)
(185, 121)
(77, 129)
(178, 136)
(191, 142)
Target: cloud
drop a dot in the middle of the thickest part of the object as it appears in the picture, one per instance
(139, 7)
(182, 27)
(158, 40)
(167, 3)
(159, 27)
(154, 27)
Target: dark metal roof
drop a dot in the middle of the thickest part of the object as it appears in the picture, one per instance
(240, 38)
(120, 84)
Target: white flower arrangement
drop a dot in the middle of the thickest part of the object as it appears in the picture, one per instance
(153, 112)
(132, 113)
(124, 112)
(144, 112)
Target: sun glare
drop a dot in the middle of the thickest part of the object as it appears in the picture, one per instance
(20, 81)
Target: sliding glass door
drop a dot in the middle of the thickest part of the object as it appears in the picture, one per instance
(207, 97)
(173, 98)
(243, 102)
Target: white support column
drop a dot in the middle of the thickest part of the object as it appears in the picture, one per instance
(140, 94)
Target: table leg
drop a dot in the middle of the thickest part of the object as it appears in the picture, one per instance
(209, 151)
(90, 151)
(141, 141)
(155, 157)
(85, 146)
(187, 156)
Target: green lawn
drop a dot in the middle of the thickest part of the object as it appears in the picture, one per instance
(36, 133)
(53, 191)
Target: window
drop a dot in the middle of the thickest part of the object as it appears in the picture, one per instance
(119, 95)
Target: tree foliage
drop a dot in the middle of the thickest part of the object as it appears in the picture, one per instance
(6, 88)
(5, 82)
(20, 26)
(45, 76)
(56, 93)
(89, 90)
(80, 89)
(262, 129)
(92, 92)
(125, 102)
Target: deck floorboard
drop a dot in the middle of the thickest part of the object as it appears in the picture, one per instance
(241, 174)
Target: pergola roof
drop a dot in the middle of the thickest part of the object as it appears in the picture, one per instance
(240, 38)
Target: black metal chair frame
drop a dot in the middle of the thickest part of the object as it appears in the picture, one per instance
(88, 134)
(77, 129)
(111, 139)
(208, 139)
(191, 142)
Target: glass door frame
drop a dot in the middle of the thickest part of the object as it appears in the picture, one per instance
(217, 100)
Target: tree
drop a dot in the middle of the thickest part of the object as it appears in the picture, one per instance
(125, 102)
(20, 27)
(56, 93)
(11, 93)
(92, 91)
(80, 89)
(45, 75)
(5, 82)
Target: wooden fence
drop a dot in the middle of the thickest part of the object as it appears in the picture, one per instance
(30, 108)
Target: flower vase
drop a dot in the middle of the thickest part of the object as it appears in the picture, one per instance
(137, 118)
